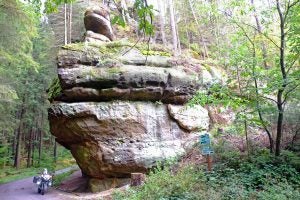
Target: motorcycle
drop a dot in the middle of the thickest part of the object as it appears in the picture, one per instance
(43, 182)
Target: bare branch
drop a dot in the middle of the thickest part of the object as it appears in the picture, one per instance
(245, 33)
(292, 64)
(132, 47)
(286, 95)
(264, 34)
(268, 98)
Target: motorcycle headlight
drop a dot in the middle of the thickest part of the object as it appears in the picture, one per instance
(38, 182)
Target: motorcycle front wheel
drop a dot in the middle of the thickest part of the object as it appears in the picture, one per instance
(43, 189)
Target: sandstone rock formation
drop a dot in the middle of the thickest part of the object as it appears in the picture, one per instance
(120, 110)
(97, 19)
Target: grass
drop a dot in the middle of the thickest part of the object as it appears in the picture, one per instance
(10, 174)
(58, 179)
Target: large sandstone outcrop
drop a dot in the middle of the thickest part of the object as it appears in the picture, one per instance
(117, 138)
(120, 111)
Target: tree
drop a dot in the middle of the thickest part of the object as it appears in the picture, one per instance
(173, 27)
(283, 90)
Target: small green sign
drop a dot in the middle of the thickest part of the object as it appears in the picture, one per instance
(205, 144)
(204, 139)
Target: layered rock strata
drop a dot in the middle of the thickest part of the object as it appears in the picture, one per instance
(120, 110)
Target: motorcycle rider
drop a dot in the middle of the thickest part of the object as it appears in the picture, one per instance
(44, 182)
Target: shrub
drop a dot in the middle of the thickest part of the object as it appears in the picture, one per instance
(260, 176)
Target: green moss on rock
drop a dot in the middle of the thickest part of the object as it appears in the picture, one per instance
(75, 46)
(113, 49)
(155, 53)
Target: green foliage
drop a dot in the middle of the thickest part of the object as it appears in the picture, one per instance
(145, 17)
(58, 179)
(218, 94)
(118, 20)
(261, 176)
(52, 5)
(162, 183)
(65, 159)
(54, 89)
(145, 12)
(11, 174)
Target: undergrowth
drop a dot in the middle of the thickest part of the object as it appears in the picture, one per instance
(260, 176)
(58, 179)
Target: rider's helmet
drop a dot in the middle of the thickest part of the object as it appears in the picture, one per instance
(45, 171)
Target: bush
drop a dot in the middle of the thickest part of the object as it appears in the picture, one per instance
(260, 176)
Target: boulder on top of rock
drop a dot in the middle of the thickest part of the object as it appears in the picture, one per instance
(90, 36)
(96, 19)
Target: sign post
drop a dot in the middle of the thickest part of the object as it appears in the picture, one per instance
(206, 149)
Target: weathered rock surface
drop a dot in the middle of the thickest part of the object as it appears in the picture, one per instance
(148, 123)
(129, 82)
(117, 138)
(119, 108)
(90, 36)
(190, 118)
(97, 19)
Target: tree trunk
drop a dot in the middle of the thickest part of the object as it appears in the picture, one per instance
(162, 21)
(271, 141)
(280, 101)
(40, 137)
(259, 29)
(125, 13)
(33, 144)
(201, 41)
(40, 145)
(29, 149)
(19, 136)
(55, 151)
(178, 39)
(173, 27)
(70, 22)
(66, 29)
(15, 137)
